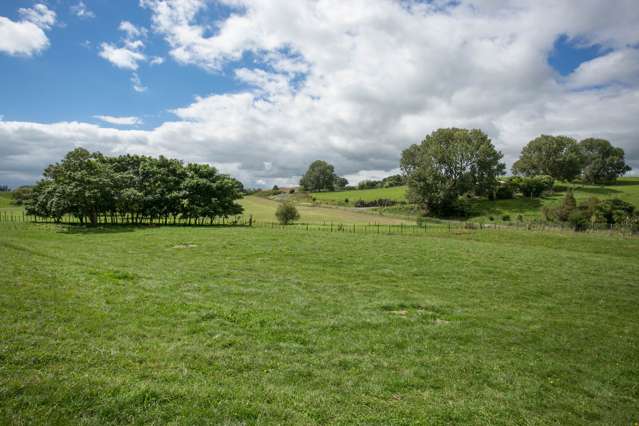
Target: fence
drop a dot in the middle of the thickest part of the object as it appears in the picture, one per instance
(356, 228)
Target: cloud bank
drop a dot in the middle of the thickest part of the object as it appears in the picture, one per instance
(356, 82)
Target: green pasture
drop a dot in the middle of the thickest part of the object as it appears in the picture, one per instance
(222, 325)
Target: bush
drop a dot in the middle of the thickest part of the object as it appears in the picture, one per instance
(532, 186)
(504, 192)
(505, 218)
(381, 202)
(491, 218)
(345, 200)
(291, 191)
(615, 211)
(578, 220)
(567, 206)
(287, 213)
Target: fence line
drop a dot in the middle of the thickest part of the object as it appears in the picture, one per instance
(362, 228)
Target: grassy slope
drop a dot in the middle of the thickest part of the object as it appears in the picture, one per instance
(263, 209)
(627, 189)
(268, 326)
(397, 193)
(6, 204)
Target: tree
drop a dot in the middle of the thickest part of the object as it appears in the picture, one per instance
(449, 163)
(4, 188)
(603, 163)
(556, 156)
(320, 176)
(393, 180)
(340, 183)
(369, 184)
(286, 213)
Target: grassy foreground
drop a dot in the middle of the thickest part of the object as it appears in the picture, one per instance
(237, 325)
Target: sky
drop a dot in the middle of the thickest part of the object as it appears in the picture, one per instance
(261, 88)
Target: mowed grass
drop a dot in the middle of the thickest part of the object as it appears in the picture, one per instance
(220, 325)
(263, 210)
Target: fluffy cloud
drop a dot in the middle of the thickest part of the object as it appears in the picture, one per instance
(356, 82)
(125, 57)
(26, 37)
(120, 121)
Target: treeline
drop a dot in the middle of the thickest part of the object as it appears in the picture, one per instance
(132, 189)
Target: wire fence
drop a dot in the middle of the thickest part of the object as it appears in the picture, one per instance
(356, 228)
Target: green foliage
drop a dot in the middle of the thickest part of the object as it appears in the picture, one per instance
(340, 183)
(566, 207)
(556, 156)
(393, 181)
(370, 184)
(532, 186)
(615, 211)
(22, 194)
(320, 176)
(88, 185)
(448, 164)
(603, 163)
(287, 213)
(505, 191)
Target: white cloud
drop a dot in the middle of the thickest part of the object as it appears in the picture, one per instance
(39, 15)
(131, 30)
(156, 60)
(356, 82)
(120, 121)
(26, 37)
(618, 67)
(121, 57)
(81, 10)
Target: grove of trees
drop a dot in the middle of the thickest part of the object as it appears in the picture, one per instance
(448, 164)
(595, 161)
(131, 189)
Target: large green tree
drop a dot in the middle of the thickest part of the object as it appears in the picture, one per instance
(603, 163)
(320, 176)
(449, 163)
(556, 156)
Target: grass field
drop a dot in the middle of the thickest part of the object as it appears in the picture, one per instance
(263, 209)
(257, 326)
(6, 203)
(397, 193)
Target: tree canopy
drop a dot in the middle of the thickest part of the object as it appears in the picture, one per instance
(320, 176)
(449, 163)
(556, 156)
(90, 185)
(603, 163)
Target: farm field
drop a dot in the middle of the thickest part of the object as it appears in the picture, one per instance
(245, 326)
(397, 193)
(263, 210)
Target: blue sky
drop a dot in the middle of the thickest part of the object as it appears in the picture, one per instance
(261, 90)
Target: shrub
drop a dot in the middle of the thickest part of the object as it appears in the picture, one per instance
(291, 191)
(491, 218)
(381, 202)
(615, 211)
(504, 191)
(578, 220)
(505, 218)
(287, 213)
(533, 186)
(567, 206)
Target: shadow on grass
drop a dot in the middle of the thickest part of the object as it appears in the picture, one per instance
(120, 228)
(602, 190)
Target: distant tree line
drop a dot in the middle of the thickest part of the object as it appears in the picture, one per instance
(387, 182)
(132, 188)
(4, 188)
